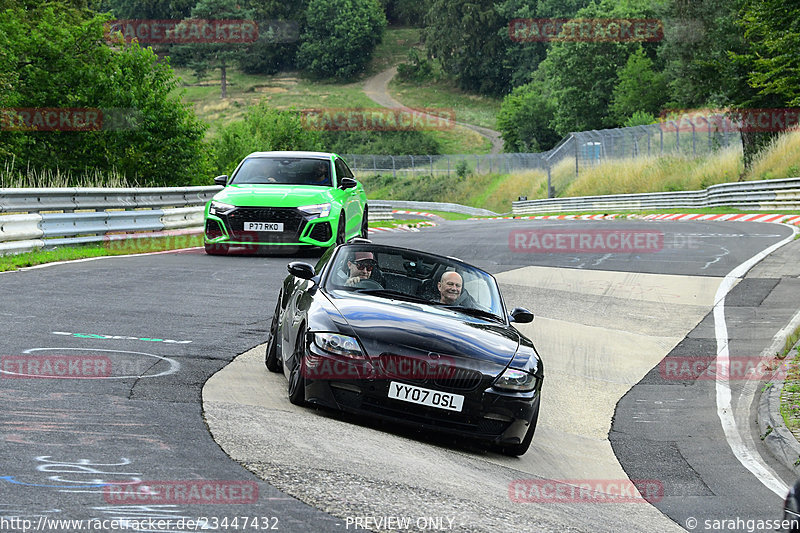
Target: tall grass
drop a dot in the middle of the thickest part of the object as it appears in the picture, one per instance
(780, 160)
(11, 177)
(656, 174)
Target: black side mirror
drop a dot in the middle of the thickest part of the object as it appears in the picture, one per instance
(347, 183)
(521, 315)
(221, 180)
(301, 270)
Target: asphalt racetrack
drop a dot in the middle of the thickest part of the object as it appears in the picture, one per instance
(174, 393)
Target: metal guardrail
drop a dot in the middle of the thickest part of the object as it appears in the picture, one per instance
(66, 216)
(35, 218)
(69, 199)
(757, 195)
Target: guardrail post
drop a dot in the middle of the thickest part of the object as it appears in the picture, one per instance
(430, 159)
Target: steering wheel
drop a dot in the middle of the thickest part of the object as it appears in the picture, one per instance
(368, 284)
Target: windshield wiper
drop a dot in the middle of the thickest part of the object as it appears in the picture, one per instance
(474, 311)
(397, 294)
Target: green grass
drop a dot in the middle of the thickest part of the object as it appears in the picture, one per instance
(121, 247)
(790, 395)
(414, 222)
(393, 49)
(291, 90)
(468, 108)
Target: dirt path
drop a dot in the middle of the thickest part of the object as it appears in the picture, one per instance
(377, 89)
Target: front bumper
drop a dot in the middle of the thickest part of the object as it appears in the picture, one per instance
(488, 414)
(299, 229)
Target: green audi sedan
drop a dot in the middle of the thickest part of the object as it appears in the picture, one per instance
(285, 201)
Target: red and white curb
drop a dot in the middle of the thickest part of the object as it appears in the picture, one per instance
(730, 217)
(741, 217)
(552, 217)
(407, 227)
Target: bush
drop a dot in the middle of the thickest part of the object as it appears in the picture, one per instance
(147, 134)
(381, 142)
(418, 68)
(262, 129)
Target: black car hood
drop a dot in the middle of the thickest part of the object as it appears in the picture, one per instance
(391, 326)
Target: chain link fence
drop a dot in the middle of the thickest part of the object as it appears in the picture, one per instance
(587, 148)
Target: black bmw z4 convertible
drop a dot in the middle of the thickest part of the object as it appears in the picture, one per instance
(407, 336)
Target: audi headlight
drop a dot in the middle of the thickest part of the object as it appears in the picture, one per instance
(338, 345)
(516, 380)
(316, 210)
(219, 208)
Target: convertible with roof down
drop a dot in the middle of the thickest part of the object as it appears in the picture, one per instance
(407, 336)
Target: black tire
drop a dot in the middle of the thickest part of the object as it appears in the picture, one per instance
(340, 236)
(520, 449)
(216, 249)
(271, 358)
(365, 224)
(297, 381)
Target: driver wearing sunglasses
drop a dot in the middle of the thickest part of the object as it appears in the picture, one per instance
(360, 267)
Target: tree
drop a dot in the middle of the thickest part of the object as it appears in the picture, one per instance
(469, 38)
(262, 129)
(639, 88)
(583, 73)
(339, 37)
(698, 36)
(526, 115)
(204, 56)
(279, 28)
(772, 33)
(405, 12)
(56, 57)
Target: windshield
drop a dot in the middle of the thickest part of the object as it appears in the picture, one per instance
(415, 276)
(284, 171)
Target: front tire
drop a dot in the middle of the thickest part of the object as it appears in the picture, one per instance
(340, 236)
(213, 248)
(297, 381)
(365, 224)
(271, 358)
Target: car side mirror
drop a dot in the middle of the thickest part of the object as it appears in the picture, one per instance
(301, 270)
(347, 183)
(521, 315)
(221, 180)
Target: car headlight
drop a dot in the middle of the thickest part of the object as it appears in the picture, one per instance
(339, 344)
(317, 210)
(219, 208)
(516, 380)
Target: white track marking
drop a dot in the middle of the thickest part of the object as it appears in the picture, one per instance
(749, 458)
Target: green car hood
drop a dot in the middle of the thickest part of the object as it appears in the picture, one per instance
(275, 195)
